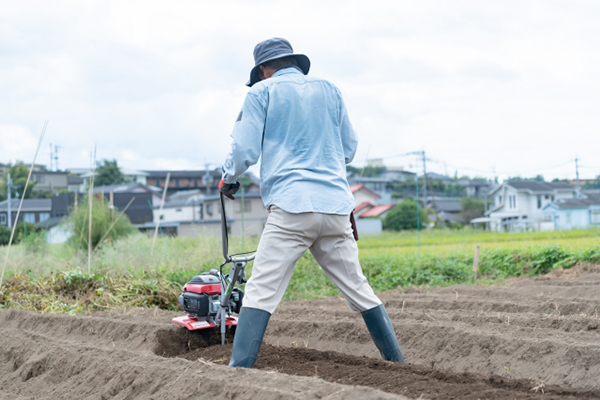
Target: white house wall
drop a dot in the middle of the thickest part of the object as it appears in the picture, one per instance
(360, 196)
(573, 219)
(368, 226)
(174, 214)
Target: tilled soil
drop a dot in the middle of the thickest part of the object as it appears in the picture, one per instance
(532, 336)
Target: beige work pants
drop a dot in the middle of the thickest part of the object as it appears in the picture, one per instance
(286, 237)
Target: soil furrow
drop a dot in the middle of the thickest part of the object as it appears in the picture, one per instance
(409, 380)
(41, 367)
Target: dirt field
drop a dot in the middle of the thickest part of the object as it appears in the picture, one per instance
(472, 342)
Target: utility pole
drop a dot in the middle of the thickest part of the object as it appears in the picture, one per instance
(207, 179)
(56, 158)
(8, 189)
(424, 177)
(577, 186)
(51, 157)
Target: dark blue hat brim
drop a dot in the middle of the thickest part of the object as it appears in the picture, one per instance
(302, 60)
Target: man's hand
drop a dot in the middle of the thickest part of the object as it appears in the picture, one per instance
(228, 189)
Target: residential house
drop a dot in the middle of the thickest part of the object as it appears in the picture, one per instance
(447, 209)
(202, 216)
(363, 194)
(32, 211)
(130, 175)
(382, 185)
(144, 200)
(185, 205)
(49, 181)
(519, 205)
(204, 180)
(398, 174)
(156, 195)
(140, 199)
(253, 214)
(75, 184)
(434, 177)
(367, 213)
(474, 188)
(369, 217)
(579, 212)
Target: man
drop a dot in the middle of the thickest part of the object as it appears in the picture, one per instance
(300, 127)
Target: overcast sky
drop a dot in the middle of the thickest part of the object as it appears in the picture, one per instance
(510, 87)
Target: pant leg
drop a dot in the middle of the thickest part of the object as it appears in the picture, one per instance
(337, 253)
(285, 238)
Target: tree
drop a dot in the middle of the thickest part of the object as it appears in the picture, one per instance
(593, 185)
(537, 178)
(472, 207)
(404, 216)
(367, 172)
(108, 173)
(18, 174)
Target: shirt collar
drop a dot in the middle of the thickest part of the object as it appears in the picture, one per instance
(292, 69)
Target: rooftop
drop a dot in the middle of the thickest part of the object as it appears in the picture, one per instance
(124, 171)
(74, 180)
(28, 205)
(122, 188)
(447, 205)
(360, 186)
(362, 206)
(539, 186)
(584, 202)
(377, 210)
(216, 173)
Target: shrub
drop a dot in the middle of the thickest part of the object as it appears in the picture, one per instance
(78, 224)
(4, 235)
(22, 230)
(404, 216)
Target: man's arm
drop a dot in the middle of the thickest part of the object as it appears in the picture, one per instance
(247, 138)
(349, 137)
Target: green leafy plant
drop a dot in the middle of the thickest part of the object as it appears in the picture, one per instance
(78, 224)
(404, 216)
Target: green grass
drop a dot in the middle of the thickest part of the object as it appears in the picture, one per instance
(54, 278)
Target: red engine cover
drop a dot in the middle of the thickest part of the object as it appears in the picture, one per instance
(210, 289)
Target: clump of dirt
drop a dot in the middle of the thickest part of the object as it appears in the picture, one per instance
(171, 342)
(574, 272)
(405, 379)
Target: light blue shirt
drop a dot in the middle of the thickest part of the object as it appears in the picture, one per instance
(300, 127)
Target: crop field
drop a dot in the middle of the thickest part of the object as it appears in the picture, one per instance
(527, 328)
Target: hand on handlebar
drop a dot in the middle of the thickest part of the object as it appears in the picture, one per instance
(229, 189)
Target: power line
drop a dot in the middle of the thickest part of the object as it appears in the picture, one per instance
(492, 172)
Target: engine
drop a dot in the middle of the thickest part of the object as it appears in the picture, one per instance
(201, 297)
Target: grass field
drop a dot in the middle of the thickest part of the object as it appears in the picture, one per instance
(128, 273)
(444, 242)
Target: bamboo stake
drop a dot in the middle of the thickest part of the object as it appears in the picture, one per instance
(81, 233)
(476, 262)
(112, 206)
(114, 223)
(162, 202)
(90, 203)
(12, 234)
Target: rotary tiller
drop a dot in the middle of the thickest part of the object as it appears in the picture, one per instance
(211, 298)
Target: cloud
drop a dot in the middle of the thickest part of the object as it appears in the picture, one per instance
(505, 86)
(16, 144)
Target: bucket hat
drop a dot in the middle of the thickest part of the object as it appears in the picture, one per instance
(272, 49)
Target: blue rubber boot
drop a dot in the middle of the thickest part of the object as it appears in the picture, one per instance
(249, 333)
(382, 332)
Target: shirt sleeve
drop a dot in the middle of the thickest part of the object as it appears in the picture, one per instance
(349, 136)
(247, 138)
